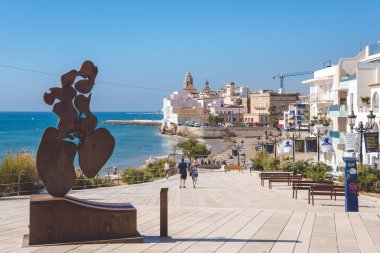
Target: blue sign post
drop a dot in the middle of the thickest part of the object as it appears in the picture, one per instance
(351, 184)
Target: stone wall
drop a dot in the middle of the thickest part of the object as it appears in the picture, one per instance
(221, 132)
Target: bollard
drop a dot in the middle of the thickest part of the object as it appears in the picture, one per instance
(164, 212)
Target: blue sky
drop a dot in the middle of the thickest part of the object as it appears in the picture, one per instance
(153, 44)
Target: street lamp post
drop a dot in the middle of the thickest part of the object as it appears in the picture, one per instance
(242, 146)
(261, 142)
(293, 137)
(361, 129)
(319, 133)
(279, 134)
(238, 151)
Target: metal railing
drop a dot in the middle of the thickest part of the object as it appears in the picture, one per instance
(364, 109)
(17, 184)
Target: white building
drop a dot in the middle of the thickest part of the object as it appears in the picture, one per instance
(336, 90)
(295, 116)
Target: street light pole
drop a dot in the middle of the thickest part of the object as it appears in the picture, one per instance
(279, 134)
(293, 138)
(361, 129)
(319, 134)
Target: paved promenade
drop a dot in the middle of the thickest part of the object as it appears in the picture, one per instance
(226, 213)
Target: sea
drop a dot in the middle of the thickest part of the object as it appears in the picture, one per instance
(22, 131)
(135, 144)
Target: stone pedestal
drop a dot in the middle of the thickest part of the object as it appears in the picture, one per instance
(70, 220)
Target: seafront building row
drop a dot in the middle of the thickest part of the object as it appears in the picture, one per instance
(353, 85)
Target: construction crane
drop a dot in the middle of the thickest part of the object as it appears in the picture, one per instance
(282, 76)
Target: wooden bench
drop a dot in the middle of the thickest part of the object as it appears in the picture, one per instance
(325, 190)
(233, 167)
(266, 175)
(283, 179)
(211, 166)
(305, 185)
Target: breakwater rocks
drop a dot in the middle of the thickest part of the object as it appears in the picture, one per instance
(134, 122)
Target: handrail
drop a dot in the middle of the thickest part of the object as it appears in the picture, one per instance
(16, 184)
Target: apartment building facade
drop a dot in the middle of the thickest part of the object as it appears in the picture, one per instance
(265, 104)
(352, 84)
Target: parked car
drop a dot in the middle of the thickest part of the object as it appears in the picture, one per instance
(197, 125)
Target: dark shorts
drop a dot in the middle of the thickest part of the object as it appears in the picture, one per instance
(184, 176)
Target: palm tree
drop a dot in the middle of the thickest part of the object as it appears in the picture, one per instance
(239, 102)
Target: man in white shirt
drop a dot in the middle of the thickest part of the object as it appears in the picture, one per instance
(250, 164)
(167, 168)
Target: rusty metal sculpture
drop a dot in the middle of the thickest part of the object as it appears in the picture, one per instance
(57, 149)
(64, 219)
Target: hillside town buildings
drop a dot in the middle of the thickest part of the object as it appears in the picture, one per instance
(236, 105)
(191, 107)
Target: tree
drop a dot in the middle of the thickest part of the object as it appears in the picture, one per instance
(215, 120)
(238, 103)
(307, 113)
(274, 121)
(272, 110)
(192, 148)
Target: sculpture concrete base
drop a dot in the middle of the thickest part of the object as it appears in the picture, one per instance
(70, 220)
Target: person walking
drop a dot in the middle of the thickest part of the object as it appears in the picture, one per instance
(250, 164)
(194, 174)
(182, 171)
(167, 169)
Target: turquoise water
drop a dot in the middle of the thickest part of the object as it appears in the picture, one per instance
(21, 131)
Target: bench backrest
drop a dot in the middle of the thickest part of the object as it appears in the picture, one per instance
(309, 183)
(272, 174)
(320, 187)
(233, 167)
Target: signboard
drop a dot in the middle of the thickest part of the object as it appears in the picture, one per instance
(269, 148)
(311, 144)
(352, 142)
(299, 145)
(371, 141)
(280, 148)
(259, 147)
(326, 145)
(242, 151)
(351, 185)
(288, 146)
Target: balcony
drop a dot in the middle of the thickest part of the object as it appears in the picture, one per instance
(338, 111)
(364, 109)
(348, 78)
(345, 82)
(320, 98)
(337, 137)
